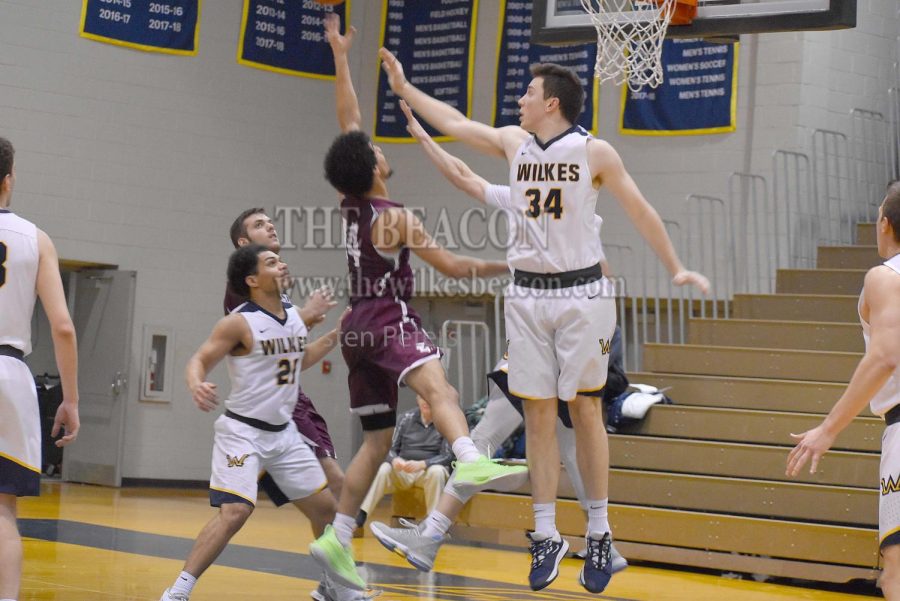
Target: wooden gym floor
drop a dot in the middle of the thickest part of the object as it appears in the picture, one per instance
(86, 543)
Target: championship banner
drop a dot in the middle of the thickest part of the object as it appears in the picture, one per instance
(515, 53)
(435, 41)
(288, 36)
(169, 26)
(698, 94)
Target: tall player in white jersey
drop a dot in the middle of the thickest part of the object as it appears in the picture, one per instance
(28, 269)
(876, 381)
(558, 320)
(264, 344)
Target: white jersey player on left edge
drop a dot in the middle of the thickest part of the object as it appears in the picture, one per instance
(264, 344)
(28, 269)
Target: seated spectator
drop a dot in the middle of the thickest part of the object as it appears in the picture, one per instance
(419, 458)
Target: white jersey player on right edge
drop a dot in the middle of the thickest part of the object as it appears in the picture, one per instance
(876, 381)
(557, 321)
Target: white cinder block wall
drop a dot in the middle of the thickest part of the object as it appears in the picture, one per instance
(143, 160)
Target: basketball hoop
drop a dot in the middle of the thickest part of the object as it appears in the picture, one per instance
(630, 35)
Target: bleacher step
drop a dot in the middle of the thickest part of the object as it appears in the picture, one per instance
(819, 281)
(758, 333)
(820, 366)
(865, 234)
(737, 460)
(694, 530)
(797, 307)
(745, 393)
(749, 426)
(760, 498)
(847, 257)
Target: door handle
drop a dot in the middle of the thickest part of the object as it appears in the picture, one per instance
(118, 383)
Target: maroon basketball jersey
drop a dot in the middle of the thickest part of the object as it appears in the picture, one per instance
(373, 274)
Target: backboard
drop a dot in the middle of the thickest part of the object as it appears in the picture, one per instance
(558, 22)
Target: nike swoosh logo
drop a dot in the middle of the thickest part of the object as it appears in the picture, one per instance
(593, 297)
(263, 331)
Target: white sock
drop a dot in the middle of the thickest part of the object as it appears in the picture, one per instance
(465, 450)
(598, 519)
(436, 524)
(544, 520)
(344, 525)
(184, 584)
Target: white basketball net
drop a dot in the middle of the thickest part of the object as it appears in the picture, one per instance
(630, 34)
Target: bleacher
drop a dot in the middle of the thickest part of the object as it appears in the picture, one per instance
(702, 482)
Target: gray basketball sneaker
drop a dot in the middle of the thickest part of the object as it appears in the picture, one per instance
(167, 596)
(329, 590)
(408, 542)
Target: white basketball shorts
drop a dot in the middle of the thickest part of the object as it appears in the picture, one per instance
(889, 499)
(20, 430)
(559, 339)
(241, 453)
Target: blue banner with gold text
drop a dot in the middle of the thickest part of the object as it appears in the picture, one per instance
(698, 94)
(168, 26)
(288, 36)
(515, 53)
(435, 41)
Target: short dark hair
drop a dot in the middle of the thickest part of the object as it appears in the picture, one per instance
(242, 263)
(7, 156)
(891, 208)
(238, 229)
(350, 164)
(563, 84)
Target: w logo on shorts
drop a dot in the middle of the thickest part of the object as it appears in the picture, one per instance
(237, 461)
(890, 485)
(604, 346)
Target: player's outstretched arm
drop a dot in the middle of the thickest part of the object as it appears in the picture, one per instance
(501, 142)
(880, 291)
(607, 165)
(346, 102)
(229, 333)
(62, 330)
(400, 227)
(315, 351)
(454, 169)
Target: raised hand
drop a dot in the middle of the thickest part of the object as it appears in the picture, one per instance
(321, 301)
(393, 69)
(340, 44)
(413, 126)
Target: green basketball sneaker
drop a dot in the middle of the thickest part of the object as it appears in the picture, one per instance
(336, 559)
(485, 473)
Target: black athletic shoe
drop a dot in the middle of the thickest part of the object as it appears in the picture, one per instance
(597, 570)
(545, 557)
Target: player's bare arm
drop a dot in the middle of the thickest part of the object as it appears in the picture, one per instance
(880, 293)
(317, 350)
(346, 102)
(607, 169)
(62, 330)
(395, 228)
(456, 171)
(500, 142)
(231, 334)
